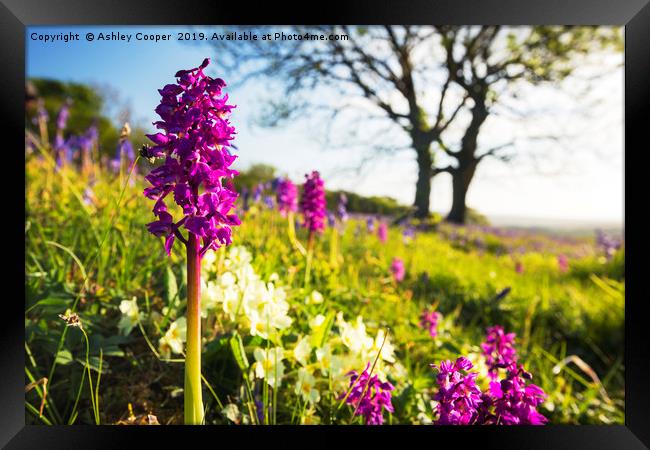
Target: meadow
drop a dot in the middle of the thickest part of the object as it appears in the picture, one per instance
(287, 312)
(88, 251)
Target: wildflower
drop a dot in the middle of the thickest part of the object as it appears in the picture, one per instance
(266, 308)
(268, 365)
(563, 263)
(287, 196)
(316, 321)
(62, 147)
(125, 153)
(130, 316)
(519, 267)
(238, 257)
(498, 349)
(354, 336)
(458, 395)
(41, 113)
(328, 362)
(174, 338)
(231, 412)
(341, 207)
(382, 232)
(305, 387)
(315, 298)
(429, 320)
(608, 244)
(408, 234)
(310, 417)
(302, 350)
(516, 401)
(312, 203)
(397, 269)
(209, 260)
(269, 201)
(257, 192)
(369, 396)
(88, 196)
(64, 114)
(331, 218)
(71, 319)
(194, 145)
(370, 224)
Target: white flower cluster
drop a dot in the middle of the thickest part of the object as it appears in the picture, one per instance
(130, 316)
(364, 349)
(243, 295)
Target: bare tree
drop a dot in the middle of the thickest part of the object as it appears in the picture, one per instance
(423, 81)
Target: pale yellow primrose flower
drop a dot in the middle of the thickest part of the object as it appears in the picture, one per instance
(130, 315)
(208, 263)
(266, 308)
(173, 340)
(329, 362)
(268, 365)
(238, 256)
(314, 298)
(316, 321)
(305, 386)
(310, 417)
(354, 336)
(302, 350)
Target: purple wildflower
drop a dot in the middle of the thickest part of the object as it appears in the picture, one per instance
(257, 192)
(62, 117)
(458, 396)
(516, 401)
(269, 201)
(563, 263)
(125, 153)
(341, 208)
(370, 224)
(62, 148)
(195, 144)
(331, 218)
(519, 267)
(312, 203)
(287, 196)
(608, 244)
(499, 350)
(397, 269)
(41, 111)
(369, 396)
(408, 234)
(429, 320)
(382, 232)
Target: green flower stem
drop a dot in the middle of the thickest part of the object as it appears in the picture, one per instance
(193, 399)
(310, 251)
(334, 248)
(291, 227)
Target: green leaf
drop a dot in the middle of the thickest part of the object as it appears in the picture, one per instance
(171, 286)
(320, 334)
(238, 352)
(52, 302)
(64, 357)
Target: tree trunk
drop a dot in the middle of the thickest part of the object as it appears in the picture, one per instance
(467, 162)
(460, 184)
(423, 185)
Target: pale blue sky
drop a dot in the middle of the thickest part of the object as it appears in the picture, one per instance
(582, 181)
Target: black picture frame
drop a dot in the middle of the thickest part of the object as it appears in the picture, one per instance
(16, 15)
